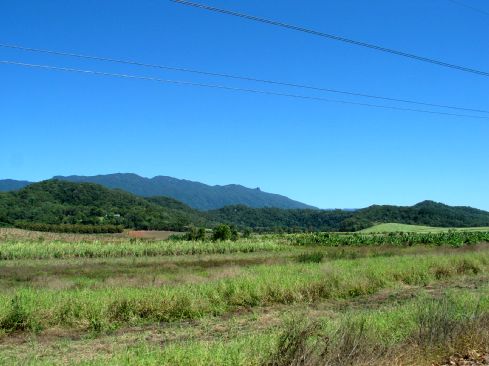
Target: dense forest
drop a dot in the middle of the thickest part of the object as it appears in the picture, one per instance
(276, 219)
(61, 202)
(427, 213)
(73, 205)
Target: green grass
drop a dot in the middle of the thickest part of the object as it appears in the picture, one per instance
(422, 330)
(91, 308)
(419, 332)
(393, 227)
(234, 303)
(12, 250)
(453, 238)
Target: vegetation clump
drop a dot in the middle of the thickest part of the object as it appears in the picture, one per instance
(222, 232)
(315, 257)
(431, 329)
(454, 238)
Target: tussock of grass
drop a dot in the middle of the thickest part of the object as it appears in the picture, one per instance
(315, 257)
(431, 329)
(16, 318)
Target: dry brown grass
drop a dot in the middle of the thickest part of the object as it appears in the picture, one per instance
(151, 234)
(13, 234)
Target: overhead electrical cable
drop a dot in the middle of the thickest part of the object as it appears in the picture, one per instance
(469, 6)
(237, 77)
(228, 88)
(334, 37)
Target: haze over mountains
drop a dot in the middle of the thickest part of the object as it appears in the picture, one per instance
(195, 194)
(12, 185)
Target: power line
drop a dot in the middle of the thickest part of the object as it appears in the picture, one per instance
(237, 77)
(229, 88)
(469, 6)
(334, 37)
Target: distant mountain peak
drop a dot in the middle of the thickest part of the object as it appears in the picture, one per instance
(195, 194)
(428, 203)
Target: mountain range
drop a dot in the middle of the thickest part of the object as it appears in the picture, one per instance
(195, 194)
(55, 202)
(12, 185)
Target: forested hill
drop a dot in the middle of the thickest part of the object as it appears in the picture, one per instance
(197, 195)
(61, 202)
(427, 213)
(275, 219)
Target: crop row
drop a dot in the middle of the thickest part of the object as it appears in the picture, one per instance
(48, 250)
(455, 238)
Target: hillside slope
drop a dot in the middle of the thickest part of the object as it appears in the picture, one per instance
(406, 228)
(427, 213)
(61, 202)
(275, 219)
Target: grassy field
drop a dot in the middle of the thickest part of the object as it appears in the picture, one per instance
(393, 227)
(266, 300)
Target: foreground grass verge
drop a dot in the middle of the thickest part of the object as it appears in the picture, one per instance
(420, 331)
(197, 304)
(31, 309)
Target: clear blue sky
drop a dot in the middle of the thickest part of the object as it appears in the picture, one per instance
(325, 154)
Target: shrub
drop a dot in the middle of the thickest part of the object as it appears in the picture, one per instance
(17, 318)
(246, 232)
(191, 234)
(201, 234)
(468, 267)
(234, 234)
(222, 232)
